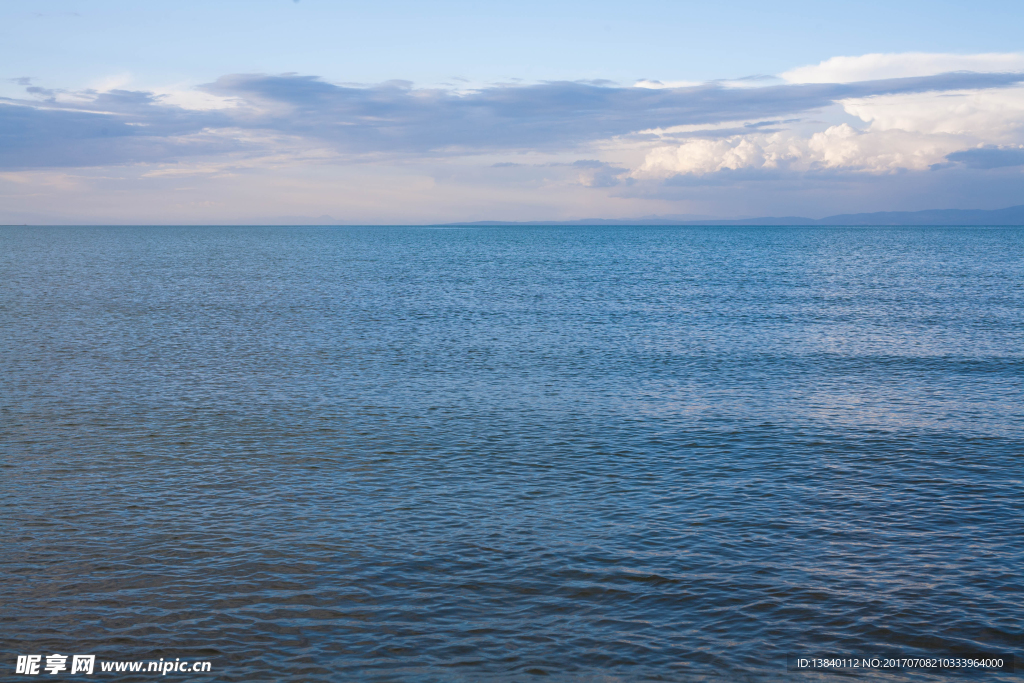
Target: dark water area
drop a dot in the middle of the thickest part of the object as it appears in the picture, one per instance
(511, 454)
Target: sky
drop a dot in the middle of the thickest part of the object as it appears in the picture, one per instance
(277, 111)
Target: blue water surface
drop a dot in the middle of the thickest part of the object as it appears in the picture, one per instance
(505, 453)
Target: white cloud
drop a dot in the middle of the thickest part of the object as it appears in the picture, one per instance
(982, 116)
(837, 147)
(878, 66)
(192, 98)
(698, 157)
(657, 85)
(653, 130)
(878, 151)
(910, 131)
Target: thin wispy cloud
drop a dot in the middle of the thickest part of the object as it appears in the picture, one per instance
(120, 126)
(879, 66)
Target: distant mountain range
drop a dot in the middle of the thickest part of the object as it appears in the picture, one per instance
(1013, 215)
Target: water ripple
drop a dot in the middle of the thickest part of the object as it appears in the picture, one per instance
(593, 454)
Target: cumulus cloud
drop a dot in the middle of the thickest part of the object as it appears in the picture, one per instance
(909, 130)
(837, 147)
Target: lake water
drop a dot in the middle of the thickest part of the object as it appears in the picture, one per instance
(495, 454)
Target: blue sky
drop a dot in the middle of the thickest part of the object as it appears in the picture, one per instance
(426, 112)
